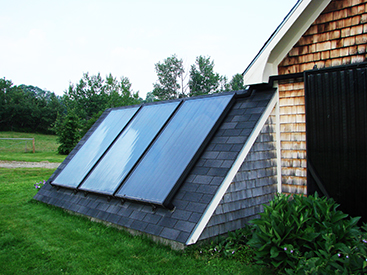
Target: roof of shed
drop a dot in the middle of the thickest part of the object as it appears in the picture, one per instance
(193, 197)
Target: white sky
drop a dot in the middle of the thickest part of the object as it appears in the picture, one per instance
(52, 43)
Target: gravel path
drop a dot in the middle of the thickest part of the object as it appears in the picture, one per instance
(24, 164)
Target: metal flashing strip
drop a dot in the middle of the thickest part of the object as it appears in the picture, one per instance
(200, 226)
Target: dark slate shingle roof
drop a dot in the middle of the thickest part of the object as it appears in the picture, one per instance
(195, 193)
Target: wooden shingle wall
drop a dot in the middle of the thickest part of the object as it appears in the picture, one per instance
(337, 37)
(293, 136)
(254, 184)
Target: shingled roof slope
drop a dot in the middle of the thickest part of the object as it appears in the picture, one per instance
(192, 198)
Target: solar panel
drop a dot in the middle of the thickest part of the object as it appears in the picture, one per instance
(128, 148)
(79, 166)
(164, 166)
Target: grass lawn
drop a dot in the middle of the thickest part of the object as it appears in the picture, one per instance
(46, 147)
(36, 238)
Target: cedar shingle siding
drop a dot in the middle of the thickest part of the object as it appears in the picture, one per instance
(337, 37)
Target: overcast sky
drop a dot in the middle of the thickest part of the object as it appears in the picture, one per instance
(50, 43)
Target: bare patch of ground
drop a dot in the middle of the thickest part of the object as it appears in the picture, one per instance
(25, 164)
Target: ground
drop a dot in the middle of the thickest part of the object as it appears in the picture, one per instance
(23, 164)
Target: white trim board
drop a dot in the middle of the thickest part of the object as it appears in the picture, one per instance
(200, 226)
(279, 146)
(266, 62)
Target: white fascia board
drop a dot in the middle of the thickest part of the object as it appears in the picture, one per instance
(265, 64)
(200, 226)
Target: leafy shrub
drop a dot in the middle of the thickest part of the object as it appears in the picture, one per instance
(307, 235)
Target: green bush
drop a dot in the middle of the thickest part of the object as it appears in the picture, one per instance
(307, 235)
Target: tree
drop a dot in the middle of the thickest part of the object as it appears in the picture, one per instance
(236, 83)
(86, 97)
(93, 94)
(149, 98)
(120, 93)
(169, 72)
(6, 90)
(203, 80)
(86, 101)
(68, 133)
(27, 108)
(223, 85)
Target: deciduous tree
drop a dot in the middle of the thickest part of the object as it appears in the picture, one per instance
(203, 79)
(236, 83)
(169, 72)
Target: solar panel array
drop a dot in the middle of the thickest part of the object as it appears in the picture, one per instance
(144, 153)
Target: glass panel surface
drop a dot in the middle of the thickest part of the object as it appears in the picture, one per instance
(160, 170)
(94, 147)
(121, 157)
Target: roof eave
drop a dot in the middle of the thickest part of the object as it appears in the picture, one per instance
(295, 24)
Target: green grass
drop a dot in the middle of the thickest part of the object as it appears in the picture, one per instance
(36, 238)
(46, 147)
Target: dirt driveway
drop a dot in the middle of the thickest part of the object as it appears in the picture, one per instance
(24, 164)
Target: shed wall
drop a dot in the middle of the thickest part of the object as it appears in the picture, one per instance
(337, 37)
(254, 184)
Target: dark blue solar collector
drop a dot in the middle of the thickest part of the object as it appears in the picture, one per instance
(167, 162)
(128, 148)
(87, 156)
(144, 153)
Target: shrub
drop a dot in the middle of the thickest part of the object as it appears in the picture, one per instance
(307, 235)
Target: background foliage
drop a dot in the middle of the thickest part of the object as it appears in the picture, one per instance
(31, 109)
(27, 108)
(174, 82)
(85, 101)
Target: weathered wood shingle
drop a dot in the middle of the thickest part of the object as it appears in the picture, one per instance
(337, 37)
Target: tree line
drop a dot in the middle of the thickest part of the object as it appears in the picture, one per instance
(172, 79)
(27, 108)
(31, 109)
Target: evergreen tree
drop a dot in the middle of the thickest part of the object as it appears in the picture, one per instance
(68, 132)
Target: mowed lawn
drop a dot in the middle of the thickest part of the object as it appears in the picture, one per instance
(36, 238)
(21, 150)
